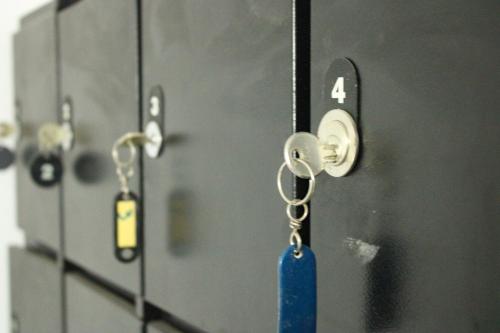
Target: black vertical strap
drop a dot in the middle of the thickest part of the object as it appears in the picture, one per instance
(302, 92)
(140, 299)
(61, 261)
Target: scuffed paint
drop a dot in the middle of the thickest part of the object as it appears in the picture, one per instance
(365, 252)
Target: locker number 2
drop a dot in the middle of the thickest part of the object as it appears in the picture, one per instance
(47, 172)
(338, 91)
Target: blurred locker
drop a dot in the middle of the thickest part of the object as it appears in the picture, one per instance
(35, 77)
(91, 308)
(215, 224)
(99, 75)
(36, 297)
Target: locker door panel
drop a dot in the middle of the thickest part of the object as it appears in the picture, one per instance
(35, 293)
(35, 76)
(90, 308)
(99, 60)
(214, 219)
(425, 190)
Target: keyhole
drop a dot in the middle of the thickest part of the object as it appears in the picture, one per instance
(296, 154)
(48, 171)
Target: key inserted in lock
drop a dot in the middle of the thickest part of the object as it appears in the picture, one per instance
(334, 149)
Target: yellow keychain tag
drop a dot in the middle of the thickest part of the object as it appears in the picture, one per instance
(126, 223)
(126, 227)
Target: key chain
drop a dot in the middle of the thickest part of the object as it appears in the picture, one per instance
(47, 169)
(127, 208)
(297, 268)
(333, 150)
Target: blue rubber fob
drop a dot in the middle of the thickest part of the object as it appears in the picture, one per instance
(297, 292)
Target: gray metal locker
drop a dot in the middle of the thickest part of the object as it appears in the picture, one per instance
(160, 327)
(90, 308)
(425, 190)
(35, 76)
(99, 74)
(35, 293)
(214, 221)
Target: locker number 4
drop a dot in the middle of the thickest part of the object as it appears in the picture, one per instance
(338, 91)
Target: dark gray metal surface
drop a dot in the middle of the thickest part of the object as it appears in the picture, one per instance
(426, 189)
(35, 293)
(160, 327)
(90, 308)
(35, 76)
(215, 224)
(99, 70)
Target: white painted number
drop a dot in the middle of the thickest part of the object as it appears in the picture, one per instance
(338, 90)
(155, 106)
(47, 172)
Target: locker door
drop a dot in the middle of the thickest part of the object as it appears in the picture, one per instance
(161, 327)
(214, 219)
(35, 293)
(35, 76)
(425, 190)
(92, 309)
(99, 70)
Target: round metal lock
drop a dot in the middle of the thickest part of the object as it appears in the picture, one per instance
(68, 137)
(339, 142)
(154, 144)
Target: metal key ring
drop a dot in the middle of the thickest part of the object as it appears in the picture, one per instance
(310, 190)
(129, 140)
(296, 240)
(300, 219)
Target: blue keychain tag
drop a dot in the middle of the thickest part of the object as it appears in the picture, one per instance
(297, 292)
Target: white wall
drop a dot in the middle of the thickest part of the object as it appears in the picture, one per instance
(10, 13)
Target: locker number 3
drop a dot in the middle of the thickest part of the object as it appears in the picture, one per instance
(338, 91)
